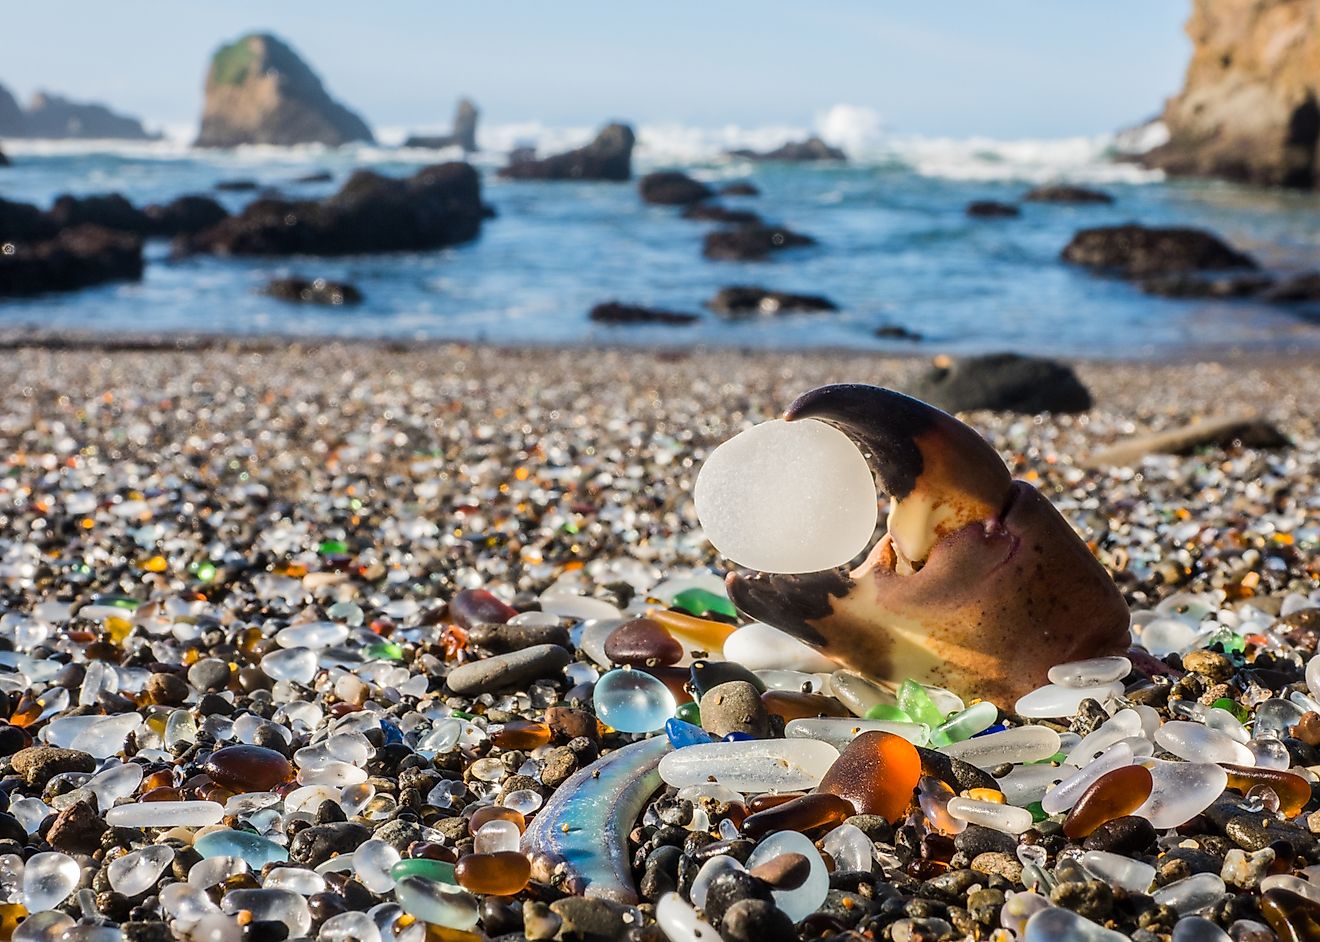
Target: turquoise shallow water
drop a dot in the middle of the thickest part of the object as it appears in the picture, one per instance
(895, 248)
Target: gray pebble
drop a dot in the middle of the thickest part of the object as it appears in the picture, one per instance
(755, 920)
(500, 638)
(209, 675)
(976, 840)
(584, 919)
(507, 670)
(317, 844)
(734, 707)
(39, 764)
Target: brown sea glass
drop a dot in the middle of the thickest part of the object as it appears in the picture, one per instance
(1117, 793)
(877, 772)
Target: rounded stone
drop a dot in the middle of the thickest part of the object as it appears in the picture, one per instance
(734, 707)
(248, 768)
(39, 764)
(507, 670)
(209, 675)
(642, 643)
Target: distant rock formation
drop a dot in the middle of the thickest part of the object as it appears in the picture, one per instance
(1136, 252)
(1066, 193)
(259, 92)
(813, 148)
(55, 117)
(617, 312)
(750, 300)
(437, 206)
(751, 243)
(672, 188)
(4, 161)
(463, 135)
(608, 157)
(1248, 110)
(992, 209)
(313, 291)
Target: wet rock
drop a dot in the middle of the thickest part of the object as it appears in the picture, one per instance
(77, 829)
(730, 887)
(75, 258)
(756, 920)
(464, 133)
(896, 332)
(991, 209)
(976, 840)
(435, 207)
(107, 210)
(1135, 251)
(237, 186)
(617, 312)
(583, 919)
(608, 157)
(1296, 288)
(741, 188)
(23, 222)
(734, 707)
(209, 675)
(1126, 835)
(501, 638)
(751, 243)
(315, 845)
(507, 670)
(184, 216)
(258, 91)
(1257, 831)
(959, 775)
(1003, 382)
(813, 148)
(714, 212)
(313, 291)
(671, 188)
(39, 764)
(1197, 285)
(1066, 193)
(748, 300)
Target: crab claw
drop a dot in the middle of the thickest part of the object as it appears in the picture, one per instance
(980, 585)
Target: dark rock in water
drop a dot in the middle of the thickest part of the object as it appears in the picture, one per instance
(258, 91)
(319, 176)
(237, 186)
(989, 209)
(75, 258)
(751, 243)
(671, 188)
(52, 116)
(608, 157)
(1135, 251)
(107, 210)
(1004, 382)
(4, 161)
(314, 291)
(615, 312)
(24, 222)
(437, 206)
(739, 189)
(1193, 285)
(463, 135)
(1294, 289)
(1066, 193)
(184, 215)
(747, 300)
(897, 332)
(813, 148)
(714, 212)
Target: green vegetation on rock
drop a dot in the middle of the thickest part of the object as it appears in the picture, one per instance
(230, 64)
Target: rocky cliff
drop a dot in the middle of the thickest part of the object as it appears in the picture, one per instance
(259, 92)
(1248, 109)
(53, 116)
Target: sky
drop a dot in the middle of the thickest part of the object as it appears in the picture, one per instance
(1004, 68)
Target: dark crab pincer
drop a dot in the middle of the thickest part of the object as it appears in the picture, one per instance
(980, 585)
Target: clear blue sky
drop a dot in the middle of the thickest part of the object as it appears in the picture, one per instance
(1003, 68)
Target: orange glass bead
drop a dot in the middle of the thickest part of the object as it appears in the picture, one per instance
(488, 813)
(162, 779)
(877, 773)
(1117, 793)
(246, 768)
(521, 734)
(501, 874)
(987, 794)
(804, 813)
(163, 794)
(694, 634)
(1293, 790)
(793, 705)
(118, 628)
(155, 564)
(438, 933)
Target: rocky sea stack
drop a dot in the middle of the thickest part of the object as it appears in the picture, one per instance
(54, 117)
(1248, 108)
(258, 91)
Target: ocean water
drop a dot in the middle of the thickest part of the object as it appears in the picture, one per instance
(895, 248)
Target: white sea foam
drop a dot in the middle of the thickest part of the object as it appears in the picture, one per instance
(858, 130)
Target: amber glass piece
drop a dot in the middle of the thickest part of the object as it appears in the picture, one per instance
(433, 851)
(1117, 793)
(1293, 917)
(162, 779)
(801, 814)
(488, 813)
(697, 634)
(933, 796)
(793, 705)
(521, 734)
(642, 642)
(762, 802)
(164, 793)
(877, 773)
(248, 768)
(1293, 790)
(11, 914)
(675, 678)
(501, 874)
(26, 711)
(438, 933)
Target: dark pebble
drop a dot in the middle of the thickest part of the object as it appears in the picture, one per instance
(209, 675)
(567, 723)
(755, 920)
(315, 845)
(167, 689)
(39, 764)
(706, 675)
(583, 919)
(642, 643)
(504, 638)
(730, 887)
(472, 607)
(507, 670)
(976, 840)
(957, 774)
(1127, 835)
(1255, 831)
(77, 829)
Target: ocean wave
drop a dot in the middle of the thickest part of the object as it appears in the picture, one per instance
(858, 130)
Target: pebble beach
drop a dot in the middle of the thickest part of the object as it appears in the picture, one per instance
(326, 640)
